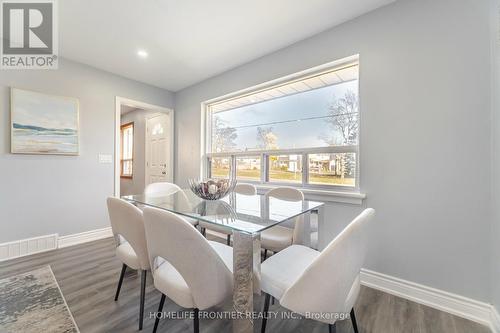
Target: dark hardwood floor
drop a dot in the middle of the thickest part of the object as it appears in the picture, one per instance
(88, 276)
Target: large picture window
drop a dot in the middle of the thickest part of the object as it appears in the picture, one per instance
(301, 132)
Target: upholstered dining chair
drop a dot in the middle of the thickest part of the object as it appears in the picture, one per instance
(304, 280)
(192, 271)
(280, 237)
(240, 188)
(166, 188)
(128, 229)
(246, 189)
(161, 188)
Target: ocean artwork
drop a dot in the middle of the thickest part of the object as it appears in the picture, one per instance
(43, 124)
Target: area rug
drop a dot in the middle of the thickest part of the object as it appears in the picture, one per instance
(32, 302)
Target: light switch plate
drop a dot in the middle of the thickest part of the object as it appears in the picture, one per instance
(105, 158)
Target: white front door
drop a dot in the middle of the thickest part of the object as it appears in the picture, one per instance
(158, 153)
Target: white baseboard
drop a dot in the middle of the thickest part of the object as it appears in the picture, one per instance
(495, 320)
(84, 237)
(28, 246)
(464, 307)
(24, 247)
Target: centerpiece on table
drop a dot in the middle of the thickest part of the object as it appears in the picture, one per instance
(213, 188)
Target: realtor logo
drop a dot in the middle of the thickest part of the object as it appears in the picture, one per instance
(29, 34)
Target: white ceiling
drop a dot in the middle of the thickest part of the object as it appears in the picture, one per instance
(191, 40)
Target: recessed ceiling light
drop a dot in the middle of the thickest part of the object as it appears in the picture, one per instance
(142, 54)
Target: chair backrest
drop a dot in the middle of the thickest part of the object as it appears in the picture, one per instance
(291, 194)
(174, 239)
(127, 222)
(161, 187)
(331, 283)
(246, 189)
(286, 193)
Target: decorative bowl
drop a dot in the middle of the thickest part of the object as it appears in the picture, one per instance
(212, 188)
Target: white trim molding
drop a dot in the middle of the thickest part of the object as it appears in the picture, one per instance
(464, 307)
(354, 198)
(25, 247)
(84, 237)
(495, 320)
(34, 245)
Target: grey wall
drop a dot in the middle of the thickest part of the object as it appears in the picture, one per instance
(425, 104)
(138, 181)
(64, 194)
(495, 117)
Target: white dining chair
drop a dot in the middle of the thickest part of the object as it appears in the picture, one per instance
(306, 281)
(192, 271)
(164, 189)
(246, 189)
(240, 188)
(280, 237)
(128, 229)
(161, 188)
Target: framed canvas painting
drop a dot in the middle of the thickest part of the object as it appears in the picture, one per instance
(43, 124)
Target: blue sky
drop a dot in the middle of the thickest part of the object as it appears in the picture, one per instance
(297, 134)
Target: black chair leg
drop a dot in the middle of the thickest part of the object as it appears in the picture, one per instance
(332, 328)
(158, 314)
(196, 321)
(264, 314)
(122, 274)
(353, 320)
(265, 254)
(204, 232)
(228, 240)
(143, 293)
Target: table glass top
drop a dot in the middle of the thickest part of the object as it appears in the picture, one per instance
(246, 213)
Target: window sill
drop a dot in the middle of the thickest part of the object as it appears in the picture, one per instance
(354, 198)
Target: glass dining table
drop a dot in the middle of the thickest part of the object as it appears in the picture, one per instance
(245, 217)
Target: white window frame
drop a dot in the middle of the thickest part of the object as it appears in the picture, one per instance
(206, 129)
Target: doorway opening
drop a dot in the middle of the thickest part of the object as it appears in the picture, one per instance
(143, 145)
